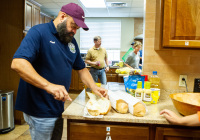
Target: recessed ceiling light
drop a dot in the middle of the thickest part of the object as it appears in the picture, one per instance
(93, 3)
(116, 4)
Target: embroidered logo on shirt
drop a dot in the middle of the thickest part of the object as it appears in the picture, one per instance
(53, 42)
(72, 47)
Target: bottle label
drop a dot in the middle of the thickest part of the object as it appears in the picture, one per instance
(147, 97)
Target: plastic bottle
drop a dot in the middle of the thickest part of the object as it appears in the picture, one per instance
(155, 80)
(147, 93)
(139, 91)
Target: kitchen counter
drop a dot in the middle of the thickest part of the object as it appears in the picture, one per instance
(125, 126)
(76, 109)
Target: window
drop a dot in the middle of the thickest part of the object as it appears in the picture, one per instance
(110, 33)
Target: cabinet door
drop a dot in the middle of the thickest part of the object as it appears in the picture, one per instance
(36, 15)
(72, 80)
(85, 131)
(28, 19)
(177, 134)
(112, 77)
(41, 19)
(47, 19)
(181, 23)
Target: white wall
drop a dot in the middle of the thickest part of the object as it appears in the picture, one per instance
(127, 31)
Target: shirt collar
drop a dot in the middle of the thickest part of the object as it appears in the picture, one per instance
(96, 48)
(52, 27)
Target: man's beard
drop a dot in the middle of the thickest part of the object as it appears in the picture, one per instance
(63, 34)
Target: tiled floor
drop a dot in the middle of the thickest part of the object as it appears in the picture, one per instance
(21, 132)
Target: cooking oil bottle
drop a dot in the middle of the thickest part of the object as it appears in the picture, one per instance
(147, 93)
(155, 80)
(139, 91)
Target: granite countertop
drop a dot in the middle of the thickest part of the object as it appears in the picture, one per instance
(76, 110)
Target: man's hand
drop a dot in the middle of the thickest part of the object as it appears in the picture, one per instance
(97, 63)
(58, 91)
(107, 69)
(100, 91)
(171, 117)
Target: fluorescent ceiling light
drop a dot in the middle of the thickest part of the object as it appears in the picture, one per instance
(93, 3)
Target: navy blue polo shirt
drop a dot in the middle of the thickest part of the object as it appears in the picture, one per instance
(52, 60)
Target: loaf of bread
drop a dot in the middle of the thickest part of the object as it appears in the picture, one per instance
(139, 110)
(124, 102)
(98, 106)
(121, 106)
(118, 103)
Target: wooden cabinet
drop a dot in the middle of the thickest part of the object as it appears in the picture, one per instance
(111, 75)
(77, 84)
(86, 131)
(176, 134)
(44, 18)
(31, 15)
(177, 24)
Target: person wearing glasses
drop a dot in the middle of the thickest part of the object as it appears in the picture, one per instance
(98, 59)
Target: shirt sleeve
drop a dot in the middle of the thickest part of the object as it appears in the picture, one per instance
(198, 115)
(88, 55)
(29, 47)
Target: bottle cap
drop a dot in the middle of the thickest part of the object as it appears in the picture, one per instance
(154, 72)
(139, 84)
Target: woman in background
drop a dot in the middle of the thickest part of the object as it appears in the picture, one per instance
(133, 58)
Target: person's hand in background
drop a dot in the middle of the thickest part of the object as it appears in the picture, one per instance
(107, 69)
(97, 63)
(171, 117)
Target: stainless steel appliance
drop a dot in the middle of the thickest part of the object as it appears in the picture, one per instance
(6, 111)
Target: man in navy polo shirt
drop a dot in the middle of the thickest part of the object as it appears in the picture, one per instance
(44, 61)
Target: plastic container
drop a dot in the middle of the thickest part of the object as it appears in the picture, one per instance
(147, 93)
(139, 91)
(126, 54)
(155, 80)
(155, 96)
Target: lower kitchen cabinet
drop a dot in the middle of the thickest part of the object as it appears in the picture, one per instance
(177, 134)
(112, 77)
(94, 130)
(85, 131)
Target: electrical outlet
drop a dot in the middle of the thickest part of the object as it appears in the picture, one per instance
(182, 82)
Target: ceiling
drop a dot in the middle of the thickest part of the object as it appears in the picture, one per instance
(134, 8)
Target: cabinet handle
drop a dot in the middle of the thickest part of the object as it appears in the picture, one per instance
(108, 137)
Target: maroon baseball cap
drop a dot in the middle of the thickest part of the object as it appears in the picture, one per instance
(77, 13)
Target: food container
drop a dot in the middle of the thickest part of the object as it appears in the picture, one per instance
(186, 103)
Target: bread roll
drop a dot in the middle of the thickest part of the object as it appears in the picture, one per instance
(139, 110)
(105, 106)
(121, 106)
(98, 107)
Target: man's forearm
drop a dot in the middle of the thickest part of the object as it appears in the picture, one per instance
(89, 62)
(28, 73)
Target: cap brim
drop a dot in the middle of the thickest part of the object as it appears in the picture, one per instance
(81, 24)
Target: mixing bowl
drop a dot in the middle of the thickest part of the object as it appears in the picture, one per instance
(186, 103)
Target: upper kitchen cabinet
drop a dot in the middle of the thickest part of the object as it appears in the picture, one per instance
(44, 18)
(177, 24)
(31, 15)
